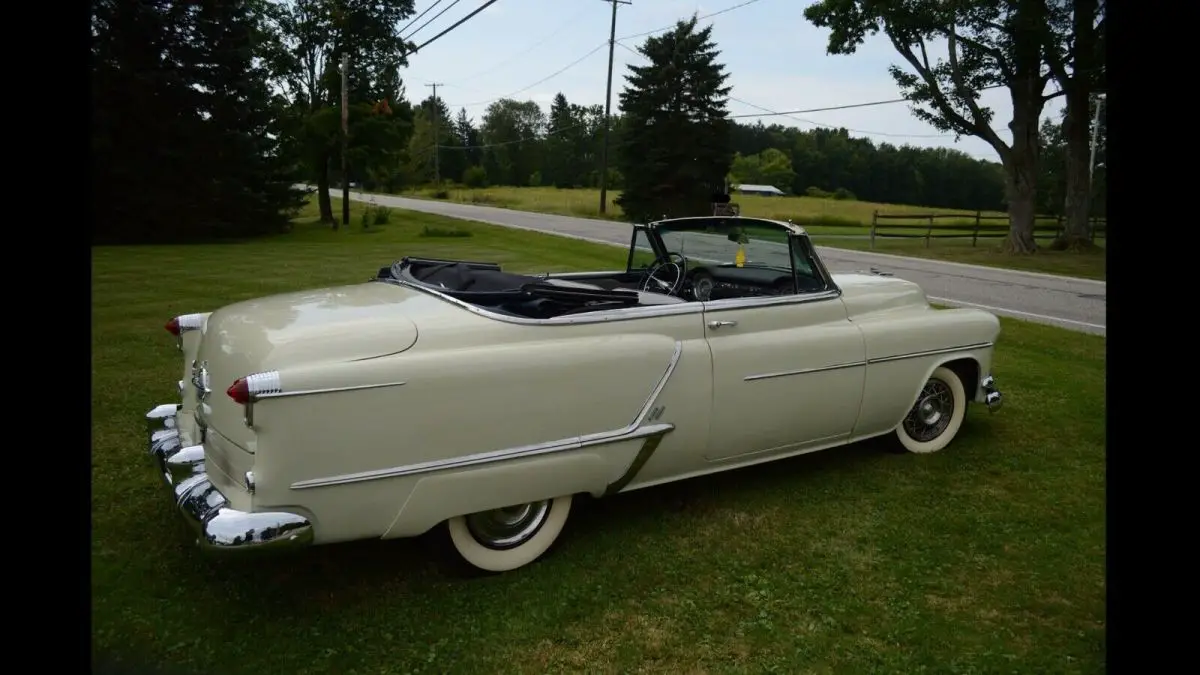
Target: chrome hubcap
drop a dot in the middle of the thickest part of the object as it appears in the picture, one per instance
(931, 414)
(510, 526)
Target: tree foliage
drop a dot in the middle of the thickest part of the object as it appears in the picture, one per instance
(311, 37)
(674, 150)
(988, 43)
(185, 132)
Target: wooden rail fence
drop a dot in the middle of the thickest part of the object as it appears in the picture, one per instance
(965, 228)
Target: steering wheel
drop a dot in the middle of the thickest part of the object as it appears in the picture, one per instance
(665, 287)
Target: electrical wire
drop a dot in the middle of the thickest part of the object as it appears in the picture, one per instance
(838, 126)
(418, 17)
(556, 73)
(435, 16)
(699, 18)
(812, 122)
(530, 48)
(840, 107)
(454, 25)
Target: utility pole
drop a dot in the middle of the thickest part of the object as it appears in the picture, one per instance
(345, 141)
(437, 169)
(612, 43)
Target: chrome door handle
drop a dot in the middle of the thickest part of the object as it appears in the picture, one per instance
(717, 324)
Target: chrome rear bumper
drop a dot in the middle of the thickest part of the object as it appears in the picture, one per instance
(992, 397)
(218, 527)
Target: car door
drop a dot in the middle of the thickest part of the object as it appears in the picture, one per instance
(788, 372)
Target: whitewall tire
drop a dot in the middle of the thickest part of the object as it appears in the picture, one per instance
(505, 539)
(937, 414)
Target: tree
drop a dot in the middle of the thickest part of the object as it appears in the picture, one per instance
(1054, 177)
(185, 128)
(312, 37)
(989, 43)
(513, 130)
(674, 149)
(770, 167)
(468, 139)
(1075, 48)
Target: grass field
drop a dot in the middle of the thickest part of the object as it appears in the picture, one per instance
(830, 222)
(988, 557)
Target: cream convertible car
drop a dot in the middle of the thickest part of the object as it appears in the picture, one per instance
(456, 395)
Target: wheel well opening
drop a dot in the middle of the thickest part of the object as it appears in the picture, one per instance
(967, 370)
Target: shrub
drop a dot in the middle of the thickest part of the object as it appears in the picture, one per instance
(843, 194)
(475, 177)
(817, 192)
(443, 232)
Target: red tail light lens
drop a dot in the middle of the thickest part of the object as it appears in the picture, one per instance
(239, 391)
(173, 326)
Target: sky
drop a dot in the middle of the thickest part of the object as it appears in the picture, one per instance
(774, 57)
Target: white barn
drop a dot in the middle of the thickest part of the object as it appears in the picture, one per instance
(765, 190)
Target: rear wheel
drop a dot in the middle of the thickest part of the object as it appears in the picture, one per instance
(936, 416)
(504, 539)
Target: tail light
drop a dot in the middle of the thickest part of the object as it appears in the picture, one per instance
(246, 390)
(183, 323)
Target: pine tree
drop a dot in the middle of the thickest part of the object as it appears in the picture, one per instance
(185, 120)
(675, 147)
(252, 181)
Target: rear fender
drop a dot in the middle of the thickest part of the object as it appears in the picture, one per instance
(439, 497)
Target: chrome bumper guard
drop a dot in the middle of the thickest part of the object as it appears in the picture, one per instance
(992, 397)
(218, 527)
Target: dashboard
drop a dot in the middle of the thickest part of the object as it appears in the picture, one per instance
(717, 282)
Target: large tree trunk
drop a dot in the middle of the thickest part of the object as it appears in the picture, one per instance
(1020, 166)
(1077, 202)
(323, 201)
(1021, 191)
(1076, 129)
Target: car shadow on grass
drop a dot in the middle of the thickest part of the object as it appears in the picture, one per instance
(409, 565)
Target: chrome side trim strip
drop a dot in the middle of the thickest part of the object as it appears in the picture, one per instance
(521, 452)
(634, 430)
(329, 390)
(770, 300)
(636, 465)
(930, 352)
(805, 371)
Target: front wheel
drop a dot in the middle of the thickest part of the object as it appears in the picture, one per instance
(937, 414)
(504, 539)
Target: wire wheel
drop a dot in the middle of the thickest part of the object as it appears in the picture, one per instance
(931, 414)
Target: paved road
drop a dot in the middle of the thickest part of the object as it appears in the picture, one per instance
(1068, 302)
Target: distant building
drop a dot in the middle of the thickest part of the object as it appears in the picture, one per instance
(765, 190)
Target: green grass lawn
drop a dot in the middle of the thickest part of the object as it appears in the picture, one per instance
(988, 557)
(822, 218)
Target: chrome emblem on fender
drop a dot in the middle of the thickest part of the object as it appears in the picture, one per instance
(200, 379)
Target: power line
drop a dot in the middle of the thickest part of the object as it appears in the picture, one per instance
(814, 123)
(418, 17)
(454, 25)
(530, 48)
(699, 18)
(838, 126)
(435, 16)
(840, 107)
(556, 73)
(529, 139)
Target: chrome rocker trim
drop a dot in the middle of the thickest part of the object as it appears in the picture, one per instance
(992, 397)
(218, 527)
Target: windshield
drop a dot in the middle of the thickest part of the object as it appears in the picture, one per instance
(739, 244)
